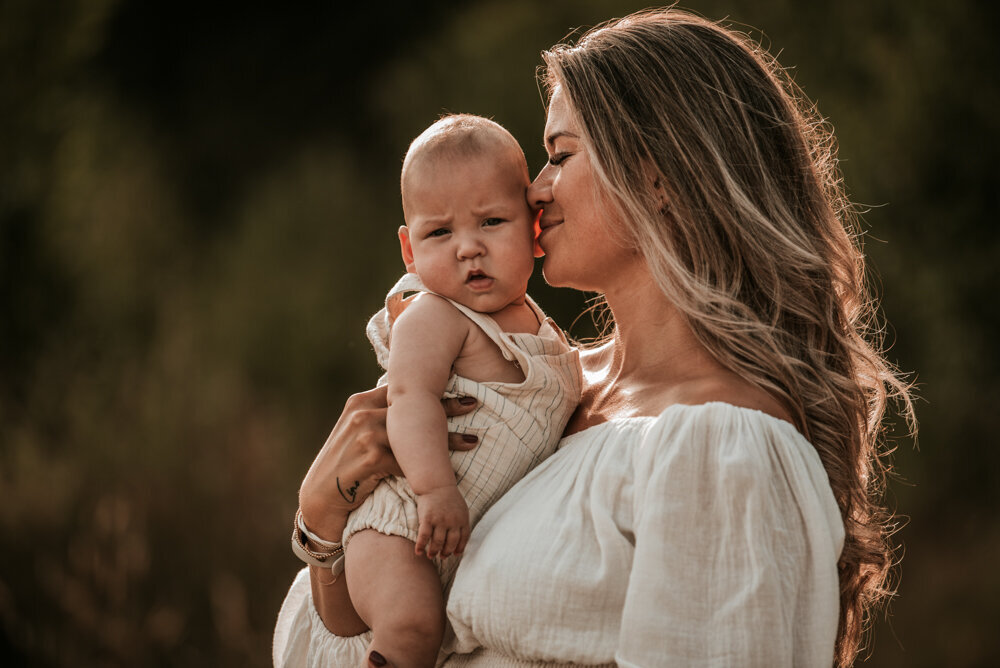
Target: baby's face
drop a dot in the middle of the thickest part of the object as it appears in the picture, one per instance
(469, 232)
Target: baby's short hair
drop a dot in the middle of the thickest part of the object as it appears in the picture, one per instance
(459, 136)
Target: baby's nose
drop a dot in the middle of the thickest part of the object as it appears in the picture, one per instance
(470, 246)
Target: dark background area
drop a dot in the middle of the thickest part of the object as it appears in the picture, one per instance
(198, 204)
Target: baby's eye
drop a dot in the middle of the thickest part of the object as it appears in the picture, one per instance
(557, 159)
(439, 232)
(490, 222)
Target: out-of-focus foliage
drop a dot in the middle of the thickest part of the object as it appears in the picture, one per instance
(198, 204)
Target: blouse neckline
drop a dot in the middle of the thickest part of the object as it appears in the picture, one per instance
(683, 408)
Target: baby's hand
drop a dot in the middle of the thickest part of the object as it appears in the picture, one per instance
(444, 522)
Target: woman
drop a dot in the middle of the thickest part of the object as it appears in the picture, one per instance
(715, 500)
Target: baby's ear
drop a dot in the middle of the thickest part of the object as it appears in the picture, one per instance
(405, 249)
(536, 231)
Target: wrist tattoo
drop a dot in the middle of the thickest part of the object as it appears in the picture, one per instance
(351, 493)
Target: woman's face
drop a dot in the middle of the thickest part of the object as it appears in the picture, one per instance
(578, 234)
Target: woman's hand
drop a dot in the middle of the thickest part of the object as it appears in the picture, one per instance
(355, 457)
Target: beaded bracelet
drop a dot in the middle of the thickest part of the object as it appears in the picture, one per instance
(313, 538)
(332, 557)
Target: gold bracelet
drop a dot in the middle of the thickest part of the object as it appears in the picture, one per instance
(313, 538)
(333, 558)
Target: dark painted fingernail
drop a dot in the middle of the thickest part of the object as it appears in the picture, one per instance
(470, 438)
(467, 401)
(376, 659)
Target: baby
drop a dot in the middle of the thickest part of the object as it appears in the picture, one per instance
(471, 330)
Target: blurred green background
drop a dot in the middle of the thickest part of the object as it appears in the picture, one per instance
(197, 211)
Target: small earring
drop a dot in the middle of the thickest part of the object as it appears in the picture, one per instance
(661, 196)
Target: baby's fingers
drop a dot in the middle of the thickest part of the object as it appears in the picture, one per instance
(423, 537)
(455, 538)
(437, 541)
(463, 541)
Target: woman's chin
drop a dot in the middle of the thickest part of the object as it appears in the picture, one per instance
(560, 279)
(552, 275)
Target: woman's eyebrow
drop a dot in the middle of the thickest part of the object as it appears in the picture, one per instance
(556, 135)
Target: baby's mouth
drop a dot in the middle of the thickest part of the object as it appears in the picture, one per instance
(478, 279)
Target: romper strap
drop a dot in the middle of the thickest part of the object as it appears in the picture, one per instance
(412, 283)
(394, 299)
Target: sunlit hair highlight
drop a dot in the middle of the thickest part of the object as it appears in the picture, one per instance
(728, 184)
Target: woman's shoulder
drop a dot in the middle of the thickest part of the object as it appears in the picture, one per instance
(733, 454)
(683, 435)
(722, 439)
(721, 421)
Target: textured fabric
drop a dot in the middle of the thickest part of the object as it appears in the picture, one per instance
(301, 640)
(707, 536)
(518, 425)
(495, 659)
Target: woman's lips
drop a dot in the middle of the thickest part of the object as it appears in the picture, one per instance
(545, 226)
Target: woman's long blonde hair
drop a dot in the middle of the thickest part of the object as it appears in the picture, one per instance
(727, 182)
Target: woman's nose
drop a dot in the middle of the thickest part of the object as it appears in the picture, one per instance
(539, 192)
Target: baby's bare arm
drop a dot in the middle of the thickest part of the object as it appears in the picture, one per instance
(426, 339)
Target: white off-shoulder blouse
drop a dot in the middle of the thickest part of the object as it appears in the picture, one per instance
(705, 536)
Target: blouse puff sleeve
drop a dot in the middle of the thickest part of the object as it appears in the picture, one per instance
(737, 537)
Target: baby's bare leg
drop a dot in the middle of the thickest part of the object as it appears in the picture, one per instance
(398, 594)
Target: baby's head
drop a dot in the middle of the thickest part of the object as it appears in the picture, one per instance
(469, 231)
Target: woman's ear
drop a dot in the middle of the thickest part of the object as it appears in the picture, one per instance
(661, 195)
(406, 250)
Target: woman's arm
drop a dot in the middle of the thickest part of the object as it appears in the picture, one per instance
(355, 457)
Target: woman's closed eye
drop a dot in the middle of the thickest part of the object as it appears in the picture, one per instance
(558, 158)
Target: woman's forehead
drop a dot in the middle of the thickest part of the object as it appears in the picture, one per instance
(561, 121)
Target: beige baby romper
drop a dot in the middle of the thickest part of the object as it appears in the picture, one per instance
(518, 424)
